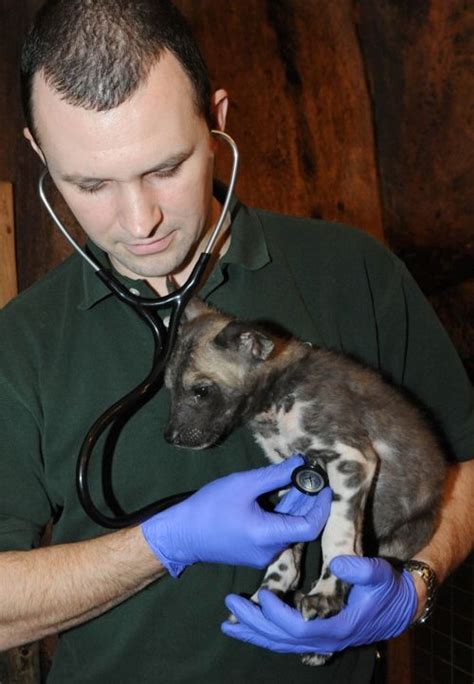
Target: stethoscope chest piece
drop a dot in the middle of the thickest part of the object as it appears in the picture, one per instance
(309, 479)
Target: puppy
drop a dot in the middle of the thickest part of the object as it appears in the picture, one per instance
(383, 463)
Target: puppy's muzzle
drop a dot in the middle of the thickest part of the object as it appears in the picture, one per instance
(190, 437)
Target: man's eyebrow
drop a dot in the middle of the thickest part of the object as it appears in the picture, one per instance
(170, 162)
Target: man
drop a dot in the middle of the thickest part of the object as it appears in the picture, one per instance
(118, 107)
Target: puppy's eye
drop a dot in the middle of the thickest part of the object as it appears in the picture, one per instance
(201, 391)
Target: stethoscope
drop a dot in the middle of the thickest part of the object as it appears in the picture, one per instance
(308, 478)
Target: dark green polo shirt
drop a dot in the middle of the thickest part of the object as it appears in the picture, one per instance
(68, 349)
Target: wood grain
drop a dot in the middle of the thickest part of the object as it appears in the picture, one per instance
(300, 109)
(8, 274)
(419, 59)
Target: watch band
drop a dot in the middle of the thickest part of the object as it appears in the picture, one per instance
(428, 576)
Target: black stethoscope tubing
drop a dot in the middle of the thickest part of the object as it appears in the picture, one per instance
(164, 339)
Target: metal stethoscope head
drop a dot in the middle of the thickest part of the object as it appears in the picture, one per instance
(164, 338)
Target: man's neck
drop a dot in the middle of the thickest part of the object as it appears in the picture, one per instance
(161, 285)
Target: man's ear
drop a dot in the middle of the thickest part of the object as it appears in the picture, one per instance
(240, 337)
(219, 107)
(29, 136)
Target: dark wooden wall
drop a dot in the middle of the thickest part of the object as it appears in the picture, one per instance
(359, 111)
(355, 110)
(419, 62)
(300, 106)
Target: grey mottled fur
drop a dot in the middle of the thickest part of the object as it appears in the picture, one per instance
(384, 464)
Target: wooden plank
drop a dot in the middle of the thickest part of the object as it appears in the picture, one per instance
(8, 276)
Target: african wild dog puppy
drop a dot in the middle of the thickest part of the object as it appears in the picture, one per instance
(383, 463)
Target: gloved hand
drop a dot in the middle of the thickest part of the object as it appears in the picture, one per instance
(380, 606)
(223, 522)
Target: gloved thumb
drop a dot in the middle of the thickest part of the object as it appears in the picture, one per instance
(318, 514)
(357, 570)
(295, 502)
(306, 523)
(272, 477)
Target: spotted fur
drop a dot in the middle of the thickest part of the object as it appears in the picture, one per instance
(383, 462)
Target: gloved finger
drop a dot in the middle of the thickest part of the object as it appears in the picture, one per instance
(291, 621)
(318, 514)
(295, 502)
(249, 636)
(246, 611)
(280, 614)
(272, 477)
(299, 528)
(364, 571)
(250, 614)
(325, 635)
(281, 628)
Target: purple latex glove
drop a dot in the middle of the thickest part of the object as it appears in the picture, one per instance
(223, 522)
(380, 606)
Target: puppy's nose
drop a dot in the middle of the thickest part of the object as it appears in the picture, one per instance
(171, 435)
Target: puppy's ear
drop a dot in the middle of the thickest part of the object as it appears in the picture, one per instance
(194, 308)
(240, 337)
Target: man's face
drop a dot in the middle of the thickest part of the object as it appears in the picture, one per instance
(138, 178)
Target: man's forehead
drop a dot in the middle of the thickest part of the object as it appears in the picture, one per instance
(154, 117)
(165, 69)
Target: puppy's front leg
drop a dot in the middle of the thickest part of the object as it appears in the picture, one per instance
(350, 477)
(282, 575)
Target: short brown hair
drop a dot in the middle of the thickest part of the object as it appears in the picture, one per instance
(96, 53)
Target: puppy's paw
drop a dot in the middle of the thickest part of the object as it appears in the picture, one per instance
(319, 605)
(315, 659)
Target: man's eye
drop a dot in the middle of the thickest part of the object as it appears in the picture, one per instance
(201, 391)
(90, 189)
(169, 172)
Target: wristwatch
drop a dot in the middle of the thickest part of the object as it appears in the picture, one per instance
(428, 576)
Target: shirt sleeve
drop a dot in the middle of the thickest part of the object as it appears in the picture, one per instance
(419, 355)
(24, 505)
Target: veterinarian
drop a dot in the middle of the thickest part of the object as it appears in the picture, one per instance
(118, 105)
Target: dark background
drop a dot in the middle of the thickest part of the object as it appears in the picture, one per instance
(360, 111)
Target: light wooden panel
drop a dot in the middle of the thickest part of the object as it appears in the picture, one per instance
(8, 276)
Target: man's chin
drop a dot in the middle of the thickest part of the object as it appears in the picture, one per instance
(145, 267)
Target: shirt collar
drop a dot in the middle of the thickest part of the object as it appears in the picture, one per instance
(247, 249)
(94, 290)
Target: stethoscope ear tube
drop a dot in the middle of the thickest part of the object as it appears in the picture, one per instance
(164, 339)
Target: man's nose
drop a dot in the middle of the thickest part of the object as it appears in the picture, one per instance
(140, 212)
